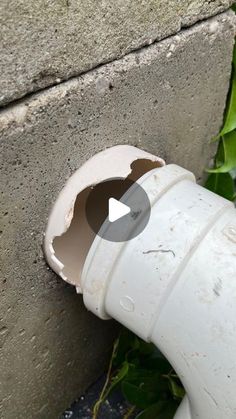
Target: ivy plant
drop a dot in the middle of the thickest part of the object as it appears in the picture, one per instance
(138, 369)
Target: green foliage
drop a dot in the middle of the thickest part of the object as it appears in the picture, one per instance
(145, 378)
(222, 184)
(230, 115)
(225, 159)
(222, 176)
(137, 368)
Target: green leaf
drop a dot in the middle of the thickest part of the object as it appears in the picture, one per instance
(146, 348)
(230, 118)
(143, 387)
(150, 380)
(121, 374)
(176, 389)
(222, 184)
(157, 362)
(127, 342)
(152, 412)
(137, 396)
(226, 154)
(160, 410)
(136, 374)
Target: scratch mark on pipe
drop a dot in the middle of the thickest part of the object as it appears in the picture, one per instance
(217, 288)
(211, 397)
(159, 251)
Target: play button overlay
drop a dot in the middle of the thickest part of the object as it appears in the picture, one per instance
(117, 209)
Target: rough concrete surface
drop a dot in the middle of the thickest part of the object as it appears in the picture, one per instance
(167, 98)
(45, 41)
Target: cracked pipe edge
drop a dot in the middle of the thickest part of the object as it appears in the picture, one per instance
(112, 162)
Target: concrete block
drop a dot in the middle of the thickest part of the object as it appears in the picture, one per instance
(46, 41)
(167, 98)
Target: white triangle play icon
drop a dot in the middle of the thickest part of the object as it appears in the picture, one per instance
(116, 210)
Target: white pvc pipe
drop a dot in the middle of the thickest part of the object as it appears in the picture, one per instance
(175, 285)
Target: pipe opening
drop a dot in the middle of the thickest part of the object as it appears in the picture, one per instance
(71, 248)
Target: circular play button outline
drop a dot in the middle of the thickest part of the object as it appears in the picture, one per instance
(117, 209)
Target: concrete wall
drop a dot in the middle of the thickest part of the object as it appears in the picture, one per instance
(167, 98)
(46, 41)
